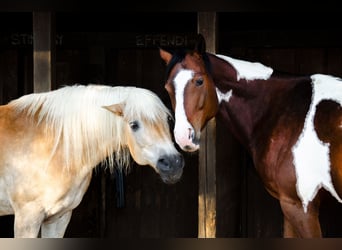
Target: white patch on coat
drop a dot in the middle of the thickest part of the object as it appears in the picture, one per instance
(311, 156)
(223, 96)
(183, 128)
(248, 70)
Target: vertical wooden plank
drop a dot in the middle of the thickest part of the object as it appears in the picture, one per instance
(103, 205)
(207, 25)
(207, 155)
(96, 75)
(44, 44)
(9, 80)
(96, 65)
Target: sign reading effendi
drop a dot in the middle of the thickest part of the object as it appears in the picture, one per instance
(162, 40)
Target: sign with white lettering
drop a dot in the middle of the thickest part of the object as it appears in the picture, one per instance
(105, 39)
(162, 40)
(18, 39)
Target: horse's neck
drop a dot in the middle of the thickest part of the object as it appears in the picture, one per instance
(250, 102)
(243, 111)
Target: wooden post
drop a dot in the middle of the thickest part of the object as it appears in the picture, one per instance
(44, 50)
(207, 154)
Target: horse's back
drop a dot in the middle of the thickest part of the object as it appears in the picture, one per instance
(14, 130)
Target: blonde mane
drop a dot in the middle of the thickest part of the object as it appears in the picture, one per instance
(87, 132)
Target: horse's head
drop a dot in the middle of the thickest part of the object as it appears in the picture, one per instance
(147, 134)
(192, 93)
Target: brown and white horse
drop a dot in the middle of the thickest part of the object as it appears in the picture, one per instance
(290, 125)
(51, 142)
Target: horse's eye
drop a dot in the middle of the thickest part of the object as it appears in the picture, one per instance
(199, 82)
(134, 125)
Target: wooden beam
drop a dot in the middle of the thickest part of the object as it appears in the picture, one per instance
(207, 153)
(44, 50)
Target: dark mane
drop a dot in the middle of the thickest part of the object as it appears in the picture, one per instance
(179, 55)
(207, 63)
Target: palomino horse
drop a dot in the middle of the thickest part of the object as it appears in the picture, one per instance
(51, 142)
(290, 125)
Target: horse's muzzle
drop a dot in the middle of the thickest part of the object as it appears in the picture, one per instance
(188, 140)
(170, 168)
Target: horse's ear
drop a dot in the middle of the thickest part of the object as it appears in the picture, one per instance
(166, 56)
(116, 108)
(200, 46)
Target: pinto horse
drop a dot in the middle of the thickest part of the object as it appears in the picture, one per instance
(51, 142)
(290, 125)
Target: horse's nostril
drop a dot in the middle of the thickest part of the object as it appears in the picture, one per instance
(192, 136)
(163, 164)
(170, 164)
(196, 141)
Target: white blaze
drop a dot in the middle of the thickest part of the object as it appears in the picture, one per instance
(183, 128)
(311, 156)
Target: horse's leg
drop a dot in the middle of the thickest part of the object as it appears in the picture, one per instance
(289, 231)
(27, 223)
(297, 223)
(57, 227)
